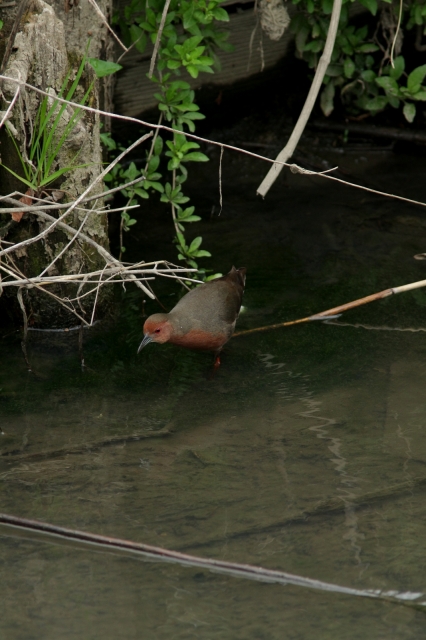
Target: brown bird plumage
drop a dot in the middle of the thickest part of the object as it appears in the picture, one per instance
(203, 319)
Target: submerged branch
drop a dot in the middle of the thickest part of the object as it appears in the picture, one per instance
(83, 448)
(232, 569)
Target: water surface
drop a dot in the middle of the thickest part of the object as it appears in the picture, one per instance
(306, 452)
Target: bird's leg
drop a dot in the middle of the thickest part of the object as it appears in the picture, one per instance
(216, 364)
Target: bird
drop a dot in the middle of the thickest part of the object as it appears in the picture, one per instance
(204, 319)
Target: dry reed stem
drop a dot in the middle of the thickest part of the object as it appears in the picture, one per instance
(323, 315)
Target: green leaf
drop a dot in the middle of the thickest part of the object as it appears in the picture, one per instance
(371, 5)
(327, 6)
(315, 46)
(173, 64)
(376, 104)
(181, 240)
(103, 68)
(156, 185)
(192, 70)
(195, 156)
(108, 142)
(368, 75)
(186, 146)
(202, 253)
(153, 163)
(416, 78)
(20, 178)
(349, 67)
(367, 48)
(334, 70)
(418, 18)
(394, 102)
(409, 111)
(173, 164)
(141, 193)
(397, 71)
(194, 115)
(420, 95)
(213, 277)
(220, 14)
(138, 38)
(301, 37)
(158, 146)
(389, 85)
(195, 244)
(188, 19)
(327, 99)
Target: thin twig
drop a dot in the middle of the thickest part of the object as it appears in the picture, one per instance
(10, 107)
(80, 346)
(130, 48)
(96, 297)
(45, 206)
(321, 174)
(80, 198)
(220, 181)
(24, 339)
(67, 246)
(396, 34)
(105, 21)
(158, 39)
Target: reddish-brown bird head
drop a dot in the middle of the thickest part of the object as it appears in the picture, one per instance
(157, 328)
(203, 319)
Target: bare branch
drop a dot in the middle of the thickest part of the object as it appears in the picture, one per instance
(105, 21)
(99, 178)
(288, 150)
(10, 107)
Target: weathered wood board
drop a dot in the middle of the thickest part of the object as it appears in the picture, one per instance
(253, 52)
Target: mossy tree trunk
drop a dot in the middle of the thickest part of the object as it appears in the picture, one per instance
(50, 41)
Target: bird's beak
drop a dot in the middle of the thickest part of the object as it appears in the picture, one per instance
(146, 340)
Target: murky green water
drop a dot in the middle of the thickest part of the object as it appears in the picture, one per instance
(305, 453)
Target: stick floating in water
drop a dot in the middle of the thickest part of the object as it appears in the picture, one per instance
(331, 314)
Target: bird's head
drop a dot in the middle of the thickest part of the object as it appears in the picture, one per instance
(157, 328)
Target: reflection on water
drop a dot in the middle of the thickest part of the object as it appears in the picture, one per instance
(305, 453)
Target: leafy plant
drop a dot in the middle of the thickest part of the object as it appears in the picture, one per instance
(361, 68)
(39, 160)
(189, 41)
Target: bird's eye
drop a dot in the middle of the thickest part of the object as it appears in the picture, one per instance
(157, 330)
